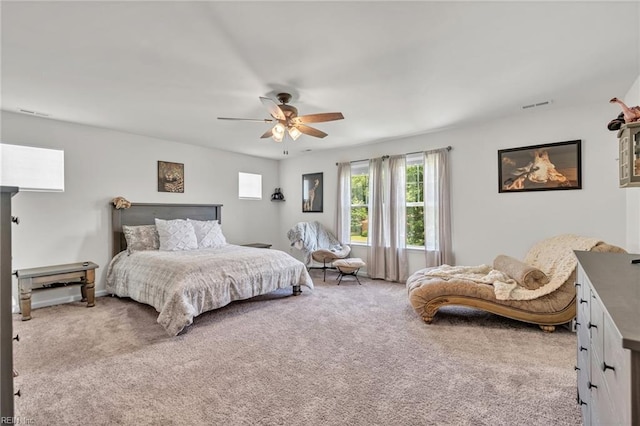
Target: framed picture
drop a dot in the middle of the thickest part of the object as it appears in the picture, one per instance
(170, 177)
(312, 193)
(546, 167)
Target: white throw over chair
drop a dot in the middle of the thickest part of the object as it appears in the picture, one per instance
(317, 244)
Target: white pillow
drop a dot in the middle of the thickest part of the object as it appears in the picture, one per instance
(177, 234)
(208, 233)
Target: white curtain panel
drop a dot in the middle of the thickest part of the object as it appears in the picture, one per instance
(343, 221)
(376, 237)
(387, 257)
(437, 208)
(397, 268)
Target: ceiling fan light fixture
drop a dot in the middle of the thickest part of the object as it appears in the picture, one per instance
(278, 129)
(294, 133)
(278, 132)
(286, 120)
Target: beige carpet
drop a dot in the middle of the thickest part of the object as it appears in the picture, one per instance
(342, 355)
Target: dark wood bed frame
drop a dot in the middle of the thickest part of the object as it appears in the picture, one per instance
(145, 213)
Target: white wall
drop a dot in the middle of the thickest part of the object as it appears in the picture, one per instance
(485, 222)
(101, 164)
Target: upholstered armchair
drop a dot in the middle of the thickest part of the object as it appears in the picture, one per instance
(318, 245)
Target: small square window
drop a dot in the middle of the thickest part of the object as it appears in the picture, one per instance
(249, 186)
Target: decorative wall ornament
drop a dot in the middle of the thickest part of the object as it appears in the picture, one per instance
(170, 177)
(312, 193)
(121, 203)
(540, 167)
(277, 195)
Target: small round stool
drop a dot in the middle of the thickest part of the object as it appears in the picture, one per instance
(349, 266)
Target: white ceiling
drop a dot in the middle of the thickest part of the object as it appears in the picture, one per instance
(168, 69)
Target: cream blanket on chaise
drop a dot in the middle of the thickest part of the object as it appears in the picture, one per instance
(553, 256)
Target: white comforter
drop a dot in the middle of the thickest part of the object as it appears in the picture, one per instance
(184, 284)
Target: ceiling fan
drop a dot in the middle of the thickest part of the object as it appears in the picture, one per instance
(287, 120)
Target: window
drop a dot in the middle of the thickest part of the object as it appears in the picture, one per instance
(249, 186)
(359, 202)
(415, 200)
(414, 196)
(426, 206)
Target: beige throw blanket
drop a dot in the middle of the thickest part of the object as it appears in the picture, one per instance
(553, 256)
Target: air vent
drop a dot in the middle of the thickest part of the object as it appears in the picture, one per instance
(31, 112)
(537, 104)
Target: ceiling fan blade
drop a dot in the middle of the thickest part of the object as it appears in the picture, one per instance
(310, 131)
(260, 120)
(273, 108)
(319, 118)
(267, 134)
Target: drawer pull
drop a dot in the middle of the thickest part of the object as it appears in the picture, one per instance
(582, 348)
(17, 338)
(576, 284)
(583, 301)
(591, 385)
(577, 324)
(582, 402)
(575, 367)
(17, 393)
(592, 325)
(606, 367)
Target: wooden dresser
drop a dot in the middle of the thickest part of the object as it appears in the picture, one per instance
(608, 329)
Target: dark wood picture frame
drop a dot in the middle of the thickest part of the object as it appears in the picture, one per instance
(170, 177)
(553, 166)
(312, 193)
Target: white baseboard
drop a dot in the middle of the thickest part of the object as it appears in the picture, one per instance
(56, 301)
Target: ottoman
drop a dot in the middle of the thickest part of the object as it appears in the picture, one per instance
(349, 266)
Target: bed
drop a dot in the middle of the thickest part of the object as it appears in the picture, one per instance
(183, 283)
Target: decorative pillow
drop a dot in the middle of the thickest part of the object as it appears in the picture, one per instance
(142, 237)
(208, 233)
(525, 275)
(177, 234)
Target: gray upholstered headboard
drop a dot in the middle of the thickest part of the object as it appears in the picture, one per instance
(145, 213)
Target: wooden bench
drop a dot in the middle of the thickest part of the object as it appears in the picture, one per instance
(46, 277)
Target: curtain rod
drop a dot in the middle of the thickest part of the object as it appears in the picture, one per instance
(384, 157)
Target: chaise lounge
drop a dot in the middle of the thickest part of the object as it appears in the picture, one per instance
(539, 290)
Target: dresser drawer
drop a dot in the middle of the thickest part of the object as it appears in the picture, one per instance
(615, 367)
(583, 290)
(584, 392)
(583, 348)
(596, 327)
(601, 410)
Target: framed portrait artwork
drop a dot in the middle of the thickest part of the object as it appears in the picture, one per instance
(170, 177)
(553, 166)
(312, 193)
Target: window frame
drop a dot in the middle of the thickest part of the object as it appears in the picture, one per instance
(249, 186)
(416, 159)
(359, 168)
